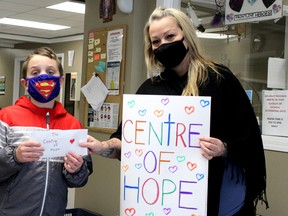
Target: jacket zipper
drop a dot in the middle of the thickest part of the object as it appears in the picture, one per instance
(46, 185)
(47, 167)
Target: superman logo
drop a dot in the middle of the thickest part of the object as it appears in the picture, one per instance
(45, 87)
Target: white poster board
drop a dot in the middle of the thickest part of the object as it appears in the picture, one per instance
(241, 11)
(275, 112)
(162, 169)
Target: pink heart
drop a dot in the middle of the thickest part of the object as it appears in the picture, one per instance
(130, 211)
(191, 166)
(189, 109)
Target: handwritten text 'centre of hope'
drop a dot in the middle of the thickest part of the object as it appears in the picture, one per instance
(174, 132)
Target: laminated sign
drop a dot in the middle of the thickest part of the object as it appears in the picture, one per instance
(162, 169)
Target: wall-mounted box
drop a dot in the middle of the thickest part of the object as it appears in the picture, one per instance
(75, 86)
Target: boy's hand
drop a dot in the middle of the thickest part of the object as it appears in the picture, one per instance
(29, 151)
(73, 162)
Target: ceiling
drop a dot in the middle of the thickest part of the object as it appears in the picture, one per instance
(34, 10)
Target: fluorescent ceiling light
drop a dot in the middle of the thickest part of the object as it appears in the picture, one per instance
(213, 35)
(32, 24)
(69, 6)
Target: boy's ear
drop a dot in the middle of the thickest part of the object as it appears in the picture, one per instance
(61, 80)
(24, 83)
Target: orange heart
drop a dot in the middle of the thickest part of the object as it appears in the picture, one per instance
(158, 113)
(125, 168)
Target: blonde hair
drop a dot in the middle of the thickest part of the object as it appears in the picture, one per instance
(199, 65)
(43, 51)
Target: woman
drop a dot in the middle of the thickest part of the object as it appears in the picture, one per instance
(237, 172)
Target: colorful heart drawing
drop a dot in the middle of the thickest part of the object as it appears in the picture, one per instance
(236, 5)
(199, 176)
(158, 113)
(189, 109)
(138, 165)
(131, 103)
(191, 166)
(167, 211)
(130, 211)
(165, 101)
(204, 103)
(149, 214)
(173, 169)
(72, 141)
(127, 154)
(142, 112)
(138, 152)
(125, 168)
(181, 158)
(268, 3)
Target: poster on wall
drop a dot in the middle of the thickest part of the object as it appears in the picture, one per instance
(2, 85)
(162, 169)
(252, 10)
(275, 112)
(106, 117)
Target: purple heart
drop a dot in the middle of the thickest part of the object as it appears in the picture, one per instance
(167, 211)
(173, 169)
(236, 5)
(127, 154)
(165, 101)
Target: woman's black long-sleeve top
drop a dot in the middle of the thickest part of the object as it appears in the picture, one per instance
(232, 120)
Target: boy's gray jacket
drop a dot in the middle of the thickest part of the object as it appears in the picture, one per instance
(34, 188)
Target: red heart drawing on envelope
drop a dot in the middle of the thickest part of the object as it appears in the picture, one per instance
(72, 141)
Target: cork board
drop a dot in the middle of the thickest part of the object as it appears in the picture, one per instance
(106, 59)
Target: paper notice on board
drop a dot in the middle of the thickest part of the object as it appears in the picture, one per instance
(276, 73)
(95, 92)
(275, 112)
(114, 45)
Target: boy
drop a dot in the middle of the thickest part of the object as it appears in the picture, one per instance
(30, 185)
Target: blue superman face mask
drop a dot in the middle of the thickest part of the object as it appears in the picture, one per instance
(44, 88)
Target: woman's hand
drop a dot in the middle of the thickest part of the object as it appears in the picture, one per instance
(211, 147)
(93, 145)
(110, 148)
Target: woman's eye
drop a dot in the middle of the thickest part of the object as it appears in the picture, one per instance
(170, 37)
(155, 42)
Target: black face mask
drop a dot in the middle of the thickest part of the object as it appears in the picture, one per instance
(171, 54)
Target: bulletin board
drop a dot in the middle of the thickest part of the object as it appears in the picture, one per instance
(106, 59)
